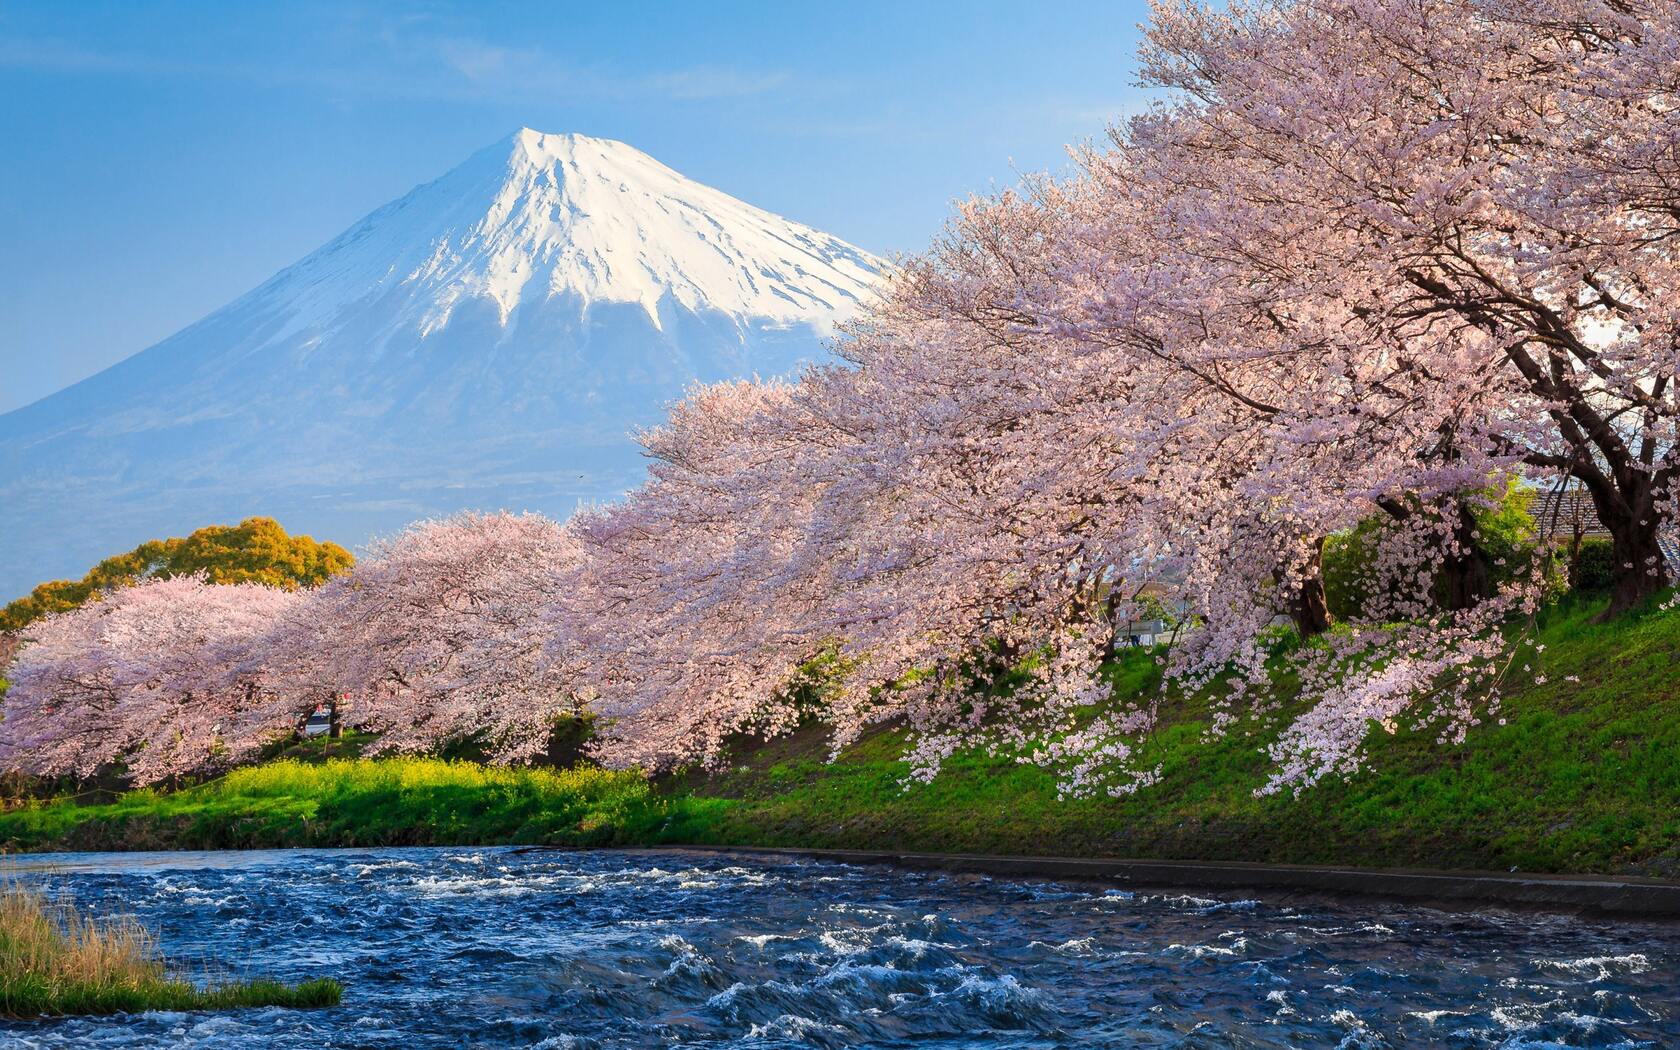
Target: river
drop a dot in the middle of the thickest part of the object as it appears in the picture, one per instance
(464, 947)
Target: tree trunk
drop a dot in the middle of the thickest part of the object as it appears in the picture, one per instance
(1310, 607)
(1465, 579)
(1111, 620)
(1467, 576)
(1637, 562)
(1640, 570)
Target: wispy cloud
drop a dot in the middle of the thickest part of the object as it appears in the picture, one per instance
(702, 82)
(411, 58)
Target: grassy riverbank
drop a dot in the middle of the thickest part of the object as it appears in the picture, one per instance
(366, 802)
(1582, 777)
(55, 961)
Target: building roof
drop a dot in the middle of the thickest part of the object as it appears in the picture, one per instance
(1565, 512)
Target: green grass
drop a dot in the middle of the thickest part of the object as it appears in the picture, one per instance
(56, 961)
(366, 802)
(1584, 776)
(32, 997)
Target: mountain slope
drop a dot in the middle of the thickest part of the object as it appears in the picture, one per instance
(487, 340)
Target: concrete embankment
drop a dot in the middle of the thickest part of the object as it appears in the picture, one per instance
(1654, 898)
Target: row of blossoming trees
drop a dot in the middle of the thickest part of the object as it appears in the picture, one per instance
(1368, 258)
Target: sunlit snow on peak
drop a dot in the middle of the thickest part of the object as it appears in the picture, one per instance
(593, 220)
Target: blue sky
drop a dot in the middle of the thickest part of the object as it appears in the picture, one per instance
(159, 159)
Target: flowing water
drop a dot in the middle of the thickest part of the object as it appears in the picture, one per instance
(502, 947)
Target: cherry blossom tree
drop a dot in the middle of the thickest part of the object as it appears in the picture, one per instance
(1482, 192)
(1359, 264)
(164, 678)
(889, 512)
(434, 636)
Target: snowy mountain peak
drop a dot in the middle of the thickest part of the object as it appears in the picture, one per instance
(490, 339)
(544, 147)
(538, 215)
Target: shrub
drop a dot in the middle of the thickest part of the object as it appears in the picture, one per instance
(1504, 528)
(1593, 569)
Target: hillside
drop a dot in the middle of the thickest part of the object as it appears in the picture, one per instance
(1581, 778)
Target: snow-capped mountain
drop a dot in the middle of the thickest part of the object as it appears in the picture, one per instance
(488, 340)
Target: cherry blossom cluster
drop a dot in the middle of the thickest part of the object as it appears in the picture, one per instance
(167, 673)
(433, 637)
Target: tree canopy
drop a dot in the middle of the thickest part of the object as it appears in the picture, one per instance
(257, 550)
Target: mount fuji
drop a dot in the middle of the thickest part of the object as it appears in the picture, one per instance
(489, 340)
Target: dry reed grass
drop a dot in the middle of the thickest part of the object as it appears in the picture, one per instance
(55, 959)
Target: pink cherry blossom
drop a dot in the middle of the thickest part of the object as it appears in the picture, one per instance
(165, 677)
